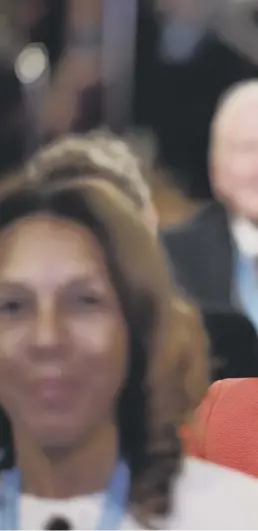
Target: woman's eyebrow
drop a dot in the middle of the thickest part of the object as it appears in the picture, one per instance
(10, 284)
(93, 278)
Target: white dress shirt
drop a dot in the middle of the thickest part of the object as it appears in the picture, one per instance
(245, 236)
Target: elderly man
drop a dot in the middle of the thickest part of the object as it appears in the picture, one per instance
(215, 255)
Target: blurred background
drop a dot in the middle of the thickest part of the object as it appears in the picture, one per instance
(157, 66)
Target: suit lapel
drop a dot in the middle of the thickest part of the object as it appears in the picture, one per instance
(201, 256)
(218, 260)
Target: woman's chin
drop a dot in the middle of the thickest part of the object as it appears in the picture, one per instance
(57, 433)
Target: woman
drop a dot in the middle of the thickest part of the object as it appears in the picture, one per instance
(100, 155)
(91, 376)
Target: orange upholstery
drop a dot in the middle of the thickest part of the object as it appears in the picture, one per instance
(226, 427)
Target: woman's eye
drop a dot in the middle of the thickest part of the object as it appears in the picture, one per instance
(12, 307)
(85, 302)
(88, 300)
(82, 302)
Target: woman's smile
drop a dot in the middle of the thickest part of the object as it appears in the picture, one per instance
(54, 391)
(61, 328)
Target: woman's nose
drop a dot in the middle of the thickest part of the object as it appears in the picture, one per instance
(48, 331)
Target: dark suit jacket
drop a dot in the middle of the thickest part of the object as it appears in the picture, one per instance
(201, 253)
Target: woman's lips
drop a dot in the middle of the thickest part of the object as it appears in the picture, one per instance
(53, 390)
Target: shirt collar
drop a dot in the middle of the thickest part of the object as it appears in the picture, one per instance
(245, 236)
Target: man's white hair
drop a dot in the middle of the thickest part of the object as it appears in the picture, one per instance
(230, 102)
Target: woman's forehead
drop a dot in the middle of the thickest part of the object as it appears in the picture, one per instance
(43, 247)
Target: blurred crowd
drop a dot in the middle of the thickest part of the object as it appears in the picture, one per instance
(128, 264)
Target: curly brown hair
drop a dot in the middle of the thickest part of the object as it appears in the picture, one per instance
(127, 163)
(168, 369)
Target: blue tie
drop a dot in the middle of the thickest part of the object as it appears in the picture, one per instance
(247, 286)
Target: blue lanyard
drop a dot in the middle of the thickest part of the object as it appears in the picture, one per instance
(247, 286)
(116, 498)
(115, 503)
(10, 493)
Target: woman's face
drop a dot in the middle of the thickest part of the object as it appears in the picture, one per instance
(63, 338)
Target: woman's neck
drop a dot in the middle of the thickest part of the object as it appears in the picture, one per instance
(59, 475)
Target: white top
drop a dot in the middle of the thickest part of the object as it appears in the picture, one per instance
(245, 236)
(206, 497)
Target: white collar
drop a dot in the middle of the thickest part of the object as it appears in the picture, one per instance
(245, 236)
(35, 512)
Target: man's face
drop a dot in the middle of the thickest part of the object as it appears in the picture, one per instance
(234, 160)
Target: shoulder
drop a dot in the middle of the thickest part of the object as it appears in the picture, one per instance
(230, 398)
(208, 496)
(225, 424)
(232, 387)
(206, 228)
(197, 473)
(217, 393)
(208, 214)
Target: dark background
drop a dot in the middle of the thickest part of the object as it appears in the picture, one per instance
(178, 100)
